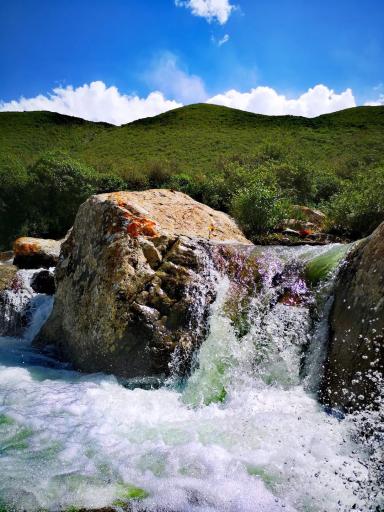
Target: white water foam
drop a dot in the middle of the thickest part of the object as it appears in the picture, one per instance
(73, 440)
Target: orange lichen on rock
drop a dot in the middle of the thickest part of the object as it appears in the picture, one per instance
(137, 224)
(25, 246)
(141, 226)
(119, 199)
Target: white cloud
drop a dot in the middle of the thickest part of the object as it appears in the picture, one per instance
(95, 102)
(375, 103)
(174, 82)
(222, 41)
(218, 10)
(265, 100)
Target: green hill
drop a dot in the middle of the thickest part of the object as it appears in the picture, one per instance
(252, 165)
(196, 137)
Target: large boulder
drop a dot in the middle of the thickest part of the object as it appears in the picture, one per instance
(36, 252)
(355, 363)
(134, 282)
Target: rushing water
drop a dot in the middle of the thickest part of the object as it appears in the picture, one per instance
(244, 433)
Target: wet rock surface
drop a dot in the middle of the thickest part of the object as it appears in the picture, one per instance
(44, 282)
(134, 284)
(36, 252)
(14, 301)
(355, 362)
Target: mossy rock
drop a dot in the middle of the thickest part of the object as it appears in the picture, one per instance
(319, 268)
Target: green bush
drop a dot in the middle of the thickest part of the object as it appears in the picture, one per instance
(109, 183)
(359, 208)
(14, 183)
(58, 185)
(158, 174)
(259, 208)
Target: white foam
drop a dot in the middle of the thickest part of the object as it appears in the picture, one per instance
(68, 439)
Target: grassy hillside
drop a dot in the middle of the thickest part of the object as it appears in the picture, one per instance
(253, 166)
(26, 135)
(196, 137)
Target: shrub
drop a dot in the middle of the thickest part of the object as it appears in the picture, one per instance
(58, 185)
(297, 181)
(158, 174)
(13, 187)
(109, 183)
(359, 208)
(259, 208)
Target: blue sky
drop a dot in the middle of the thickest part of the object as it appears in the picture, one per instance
(191, 50)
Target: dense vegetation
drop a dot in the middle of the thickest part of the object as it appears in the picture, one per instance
(251, 165)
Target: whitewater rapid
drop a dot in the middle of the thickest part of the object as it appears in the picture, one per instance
(69, 440)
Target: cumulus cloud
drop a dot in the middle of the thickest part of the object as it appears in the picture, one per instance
(167, 76)
(265, 100)
(95, 102)
(211, 10)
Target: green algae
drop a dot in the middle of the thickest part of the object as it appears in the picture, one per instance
(319, 268)
(129, 492)
(18, 441)
(5, 421)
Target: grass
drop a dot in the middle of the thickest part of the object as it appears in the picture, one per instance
(196, 137)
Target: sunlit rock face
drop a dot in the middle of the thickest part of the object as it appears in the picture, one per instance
(355, 364)
(134, 282)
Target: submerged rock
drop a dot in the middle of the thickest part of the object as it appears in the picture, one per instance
(134, 282)
(36, 252)
(355, 363)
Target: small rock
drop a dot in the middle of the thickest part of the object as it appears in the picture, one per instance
(36, 252)
(310, 215)
(7, 275)
(6, 256)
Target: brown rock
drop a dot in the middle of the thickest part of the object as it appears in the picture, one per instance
(310, 215)
(6, 256)
(134, 283)
(36, 252)
(7, 276)
(356, 350)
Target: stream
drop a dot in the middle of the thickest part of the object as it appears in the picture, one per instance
(243, 433)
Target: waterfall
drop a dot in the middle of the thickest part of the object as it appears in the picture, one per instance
(244, 432)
